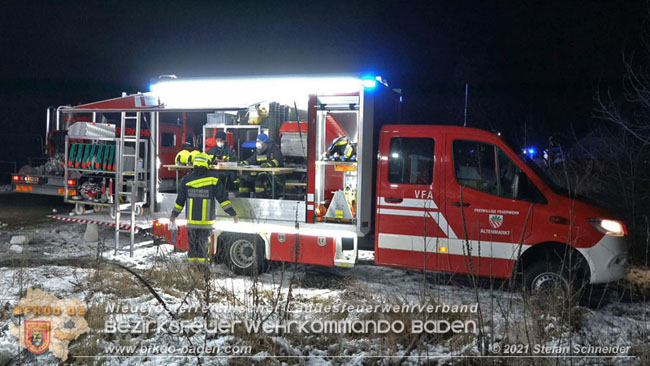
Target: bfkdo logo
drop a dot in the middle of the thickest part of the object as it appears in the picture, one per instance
(44, 323)
(37, 335)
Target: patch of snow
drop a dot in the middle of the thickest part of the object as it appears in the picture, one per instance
(260, 356)
(16, 248)
(366, 255)
(19, 240)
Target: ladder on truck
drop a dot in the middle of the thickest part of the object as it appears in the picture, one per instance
(128, 182)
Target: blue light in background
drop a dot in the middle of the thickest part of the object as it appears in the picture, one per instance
(530, 151)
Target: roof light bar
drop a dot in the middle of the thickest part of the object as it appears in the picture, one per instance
(243, 92)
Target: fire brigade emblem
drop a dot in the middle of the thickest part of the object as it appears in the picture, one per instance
(496, 221)
(37, 335)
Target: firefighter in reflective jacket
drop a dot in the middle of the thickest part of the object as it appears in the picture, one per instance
(199, 189)
(266, 155)
(221, 151)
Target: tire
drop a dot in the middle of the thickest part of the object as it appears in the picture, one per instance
(551, 279)
(244, 255)
(98, 209)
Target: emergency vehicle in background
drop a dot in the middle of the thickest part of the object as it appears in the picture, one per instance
(85, 182)
(440, 198)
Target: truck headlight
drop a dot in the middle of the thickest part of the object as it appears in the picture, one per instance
(609, 227)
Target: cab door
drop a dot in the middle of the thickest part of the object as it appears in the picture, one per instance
(483, 206)
(408, 212)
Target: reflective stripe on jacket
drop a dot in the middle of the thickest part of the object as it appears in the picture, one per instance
(225, 153)
(271, 154)
(197, 192)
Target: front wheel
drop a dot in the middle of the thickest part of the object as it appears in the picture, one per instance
(551, 278)
(245, 255)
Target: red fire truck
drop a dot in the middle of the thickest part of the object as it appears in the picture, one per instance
(49, 179)
(440, 198)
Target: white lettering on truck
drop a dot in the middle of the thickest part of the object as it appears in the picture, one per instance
(421, 195)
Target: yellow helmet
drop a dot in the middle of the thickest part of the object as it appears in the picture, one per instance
(190, 159)
(182, 157)
(200, 159)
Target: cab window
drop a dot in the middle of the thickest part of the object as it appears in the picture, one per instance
(410, 160)
(475, 165)
(487, 168)
(167, 139)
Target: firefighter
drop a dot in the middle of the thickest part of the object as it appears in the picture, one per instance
(266, 155)
(221, 151)
(199, 189)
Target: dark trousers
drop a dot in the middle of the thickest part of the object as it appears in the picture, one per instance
(227, 178)
(260, 183)
(198, 245)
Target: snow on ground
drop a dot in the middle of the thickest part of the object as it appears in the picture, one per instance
(506, 317)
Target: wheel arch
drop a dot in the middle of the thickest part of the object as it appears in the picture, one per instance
(552, 251)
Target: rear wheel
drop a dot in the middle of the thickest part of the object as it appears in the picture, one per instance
(244, 255)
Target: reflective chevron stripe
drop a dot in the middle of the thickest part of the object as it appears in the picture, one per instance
(202, 182)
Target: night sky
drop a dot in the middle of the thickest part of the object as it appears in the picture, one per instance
(532, 66)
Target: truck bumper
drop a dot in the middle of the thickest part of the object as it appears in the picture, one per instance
(608, 259)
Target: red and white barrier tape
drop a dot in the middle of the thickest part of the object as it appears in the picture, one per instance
(86, 221)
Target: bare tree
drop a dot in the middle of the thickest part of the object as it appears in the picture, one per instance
(634, 114)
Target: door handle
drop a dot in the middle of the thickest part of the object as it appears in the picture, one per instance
(393, 200)
(458, 204)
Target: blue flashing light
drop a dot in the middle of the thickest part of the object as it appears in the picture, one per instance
(531, 151)
(369, 80)
(369, 83)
